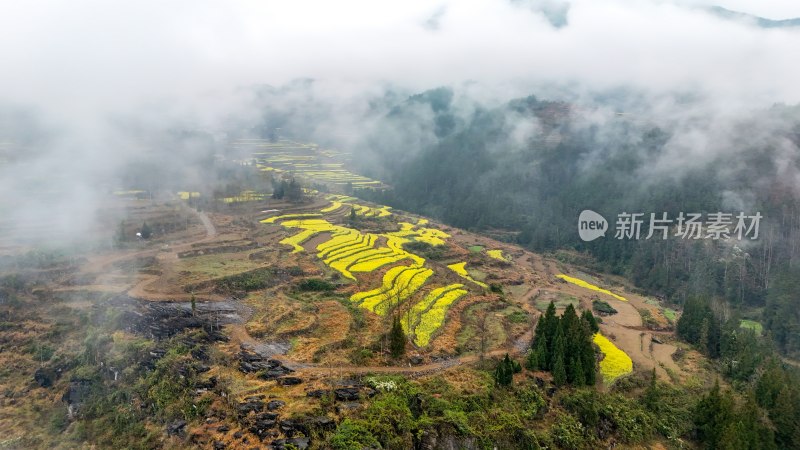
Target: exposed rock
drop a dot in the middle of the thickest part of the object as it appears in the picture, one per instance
(223, 428)
(219, 445)
(262, 423)
(288, 381)
(253, 405)
(416, 360)
(347, 394)
(319, 423)
(250, 361)
(317, 393)
(177, 428)
(290, 427)
(272, 405)
(300, 443)
(161, 320)
(44, 377)
(77, 392)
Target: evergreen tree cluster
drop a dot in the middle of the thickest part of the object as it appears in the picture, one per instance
(721, 423)
(542, 193)
(505, 370)
(699, 325)
(290, 190)
(563, 346)
(767, 414)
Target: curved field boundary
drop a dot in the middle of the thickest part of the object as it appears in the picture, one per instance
(374, 263)
(584, 284)
(342, 246)
(298, 239)
(399, 282)
(615, 363)
(351, 250)
(423, 306)
(411, 287)
(290, 216)
(461, 270)
(338, 237)
(389, 279)
(433, 319)
(334, 206)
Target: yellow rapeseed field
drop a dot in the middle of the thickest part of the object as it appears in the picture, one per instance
(584, 284)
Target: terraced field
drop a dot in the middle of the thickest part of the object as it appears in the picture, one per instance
(306, 161)
(350, 252)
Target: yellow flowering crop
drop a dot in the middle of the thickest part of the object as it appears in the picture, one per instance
(372, 263)
(298, 239)
(367, 242)
(399, 283)
(338, 240)
(183, 195)
(334, 206)
(431, 236)
(461, 270)
(289, 216)
(244, 196)
(431, 320)
(581, 283)
(615, 362)
(428, 315)
(496, 254)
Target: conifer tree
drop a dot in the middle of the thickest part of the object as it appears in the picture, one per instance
(590, 320)
(397, 339)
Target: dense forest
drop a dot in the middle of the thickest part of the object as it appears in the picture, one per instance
(479, 174)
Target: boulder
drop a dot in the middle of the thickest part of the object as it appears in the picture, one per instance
(272, 405)
(317, 393)
(44, 377)
(288, 381)
(300, 443)
(347, 394)
(177, 428)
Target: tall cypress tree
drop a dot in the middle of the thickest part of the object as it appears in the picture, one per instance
(576, 374)
(397, 339)
(549, 328)
(504, 372)
(559, 370)
(590, 320)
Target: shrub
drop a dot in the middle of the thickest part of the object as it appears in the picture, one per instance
(352, 434)
(316, 285)
(603, 307)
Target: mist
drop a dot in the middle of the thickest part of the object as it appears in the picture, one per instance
(92, 88)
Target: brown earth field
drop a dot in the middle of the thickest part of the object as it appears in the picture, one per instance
(320, 337)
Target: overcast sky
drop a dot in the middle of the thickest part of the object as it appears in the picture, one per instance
(76, 64)
(88, 55)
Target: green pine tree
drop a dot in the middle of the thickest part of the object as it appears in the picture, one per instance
(651, 397)
(146, 232)
(590, 320)
(559, 370)
(504, 372)
(397, 339)
(576, 374)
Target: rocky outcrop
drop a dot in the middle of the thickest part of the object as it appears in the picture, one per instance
(77, 392)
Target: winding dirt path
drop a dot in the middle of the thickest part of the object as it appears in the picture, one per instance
(140, 289)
